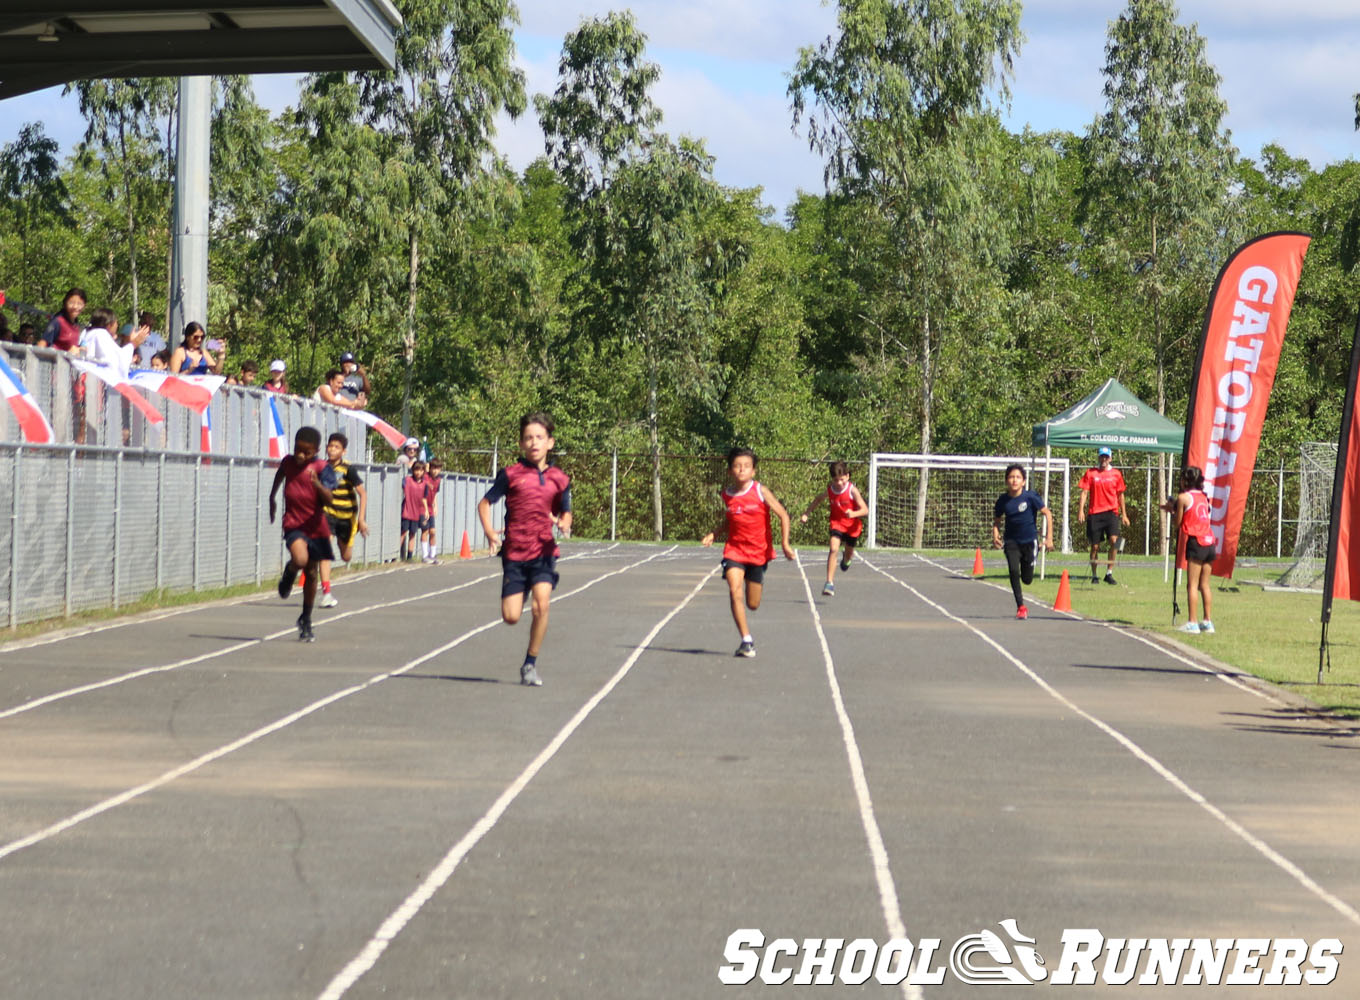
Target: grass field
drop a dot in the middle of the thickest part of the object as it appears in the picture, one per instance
(1272, 634)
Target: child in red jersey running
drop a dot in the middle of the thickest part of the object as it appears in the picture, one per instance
(306, 533)
(1195, 533)
(847, 507)
(537, 499)
(750, 545)
(415, 510)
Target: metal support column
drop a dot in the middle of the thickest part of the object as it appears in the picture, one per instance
(189, 260)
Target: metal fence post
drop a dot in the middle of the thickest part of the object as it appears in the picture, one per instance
(259, 529)
(117, 521)
(1279, 515)
(160, 523)
(70, 527)
(14, 542)
(231, 469)
(614, 498)
(198, 489)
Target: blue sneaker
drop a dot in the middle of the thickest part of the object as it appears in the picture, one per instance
(1207, 627)
(1192, 627)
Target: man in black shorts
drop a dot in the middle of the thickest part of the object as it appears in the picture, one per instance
(1103, 487)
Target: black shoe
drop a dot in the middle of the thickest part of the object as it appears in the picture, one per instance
(290, 573)
(1109, 578)
(746, 649)
(1094, 578)
(845, 565)
(305, 633)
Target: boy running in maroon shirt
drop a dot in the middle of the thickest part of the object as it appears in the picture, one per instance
(750, 545)
(306, 533)
(537, 499)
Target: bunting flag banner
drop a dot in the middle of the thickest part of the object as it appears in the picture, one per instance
(112, 378)
(389, 433)
(273, 428)
(32, 422)
(1342, 575)
(1239, 351)
(205, 430)
(177, 389)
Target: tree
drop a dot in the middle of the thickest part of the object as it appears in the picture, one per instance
(896, 102)
(635, 199)
(31, 184)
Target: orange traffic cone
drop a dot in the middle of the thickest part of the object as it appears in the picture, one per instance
(1063, 602)
(977, 561)
(465, 550)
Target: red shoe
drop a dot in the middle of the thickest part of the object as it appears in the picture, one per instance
(1022, 612)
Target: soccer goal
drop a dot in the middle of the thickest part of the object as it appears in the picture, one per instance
(946, 501)
(1317, 469)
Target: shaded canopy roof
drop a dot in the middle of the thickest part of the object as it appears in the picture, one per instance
(44, 43)
(1111, 416)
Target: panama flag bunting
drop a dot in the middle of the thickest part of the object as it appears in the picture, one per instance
(205, 430)
(1239, 352)
(273, 428)
(182, 390)
(389, 433)
(113, 378)
(32, 422)
(1341, 578)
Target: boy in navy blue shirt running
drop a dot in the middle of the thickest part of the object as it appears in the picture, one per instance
(1017, 510)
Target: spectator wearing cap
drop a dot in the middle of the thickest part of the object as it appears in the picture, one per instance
(277, 381)
(1103, 486)
(355, 383)
(410, 454)
(329, 392)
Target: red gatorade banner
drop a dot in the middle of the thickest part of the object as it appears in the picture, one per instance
(1343, 543)
(1238, 354)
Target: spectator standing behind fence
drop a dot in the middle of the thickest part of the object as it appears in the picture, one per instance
(63, 332)
(250, 371)
(355, 387)
(194, 356)
(277, 381)
(329, 392)
(1103, 486)
(151, 343)
(98, 345)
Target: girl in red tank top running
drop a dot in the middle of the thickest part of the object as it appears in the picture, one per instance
(750, 543)
(847, 507)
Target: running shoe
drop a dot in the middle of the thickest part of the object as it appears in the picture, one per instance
(305, 633)
(528, 676)
(746, 649)
(430, 560)
(845, 565)
(1191, 627)
(1094, 578)
(328, 600)
(286, 580)
(828, 590)
(1206, 627)
(1109, 578)
(1022, 612)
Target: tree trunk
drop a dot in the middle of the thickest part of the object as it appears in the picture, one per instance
(927, 415)
(654, 441)
(409, 339)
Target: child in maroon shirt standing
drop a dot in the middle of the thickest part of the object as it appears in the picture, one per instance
(415, 509)
(306, 532)
(537, 499)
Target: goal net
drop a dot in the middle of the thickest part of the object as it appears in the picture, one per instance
(1317, 469)
(959, 497)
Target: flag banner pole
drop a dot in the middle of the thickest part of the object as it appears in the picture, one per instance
(1341, 578)
(1239, 351)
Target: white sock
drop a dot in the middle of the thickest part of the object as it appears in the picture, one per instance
(747, 638)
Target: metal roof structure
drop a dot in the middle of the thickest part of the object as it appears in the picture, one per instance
(44, 43)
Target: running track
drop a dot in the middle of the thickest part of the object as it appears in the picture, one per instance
(195, 805)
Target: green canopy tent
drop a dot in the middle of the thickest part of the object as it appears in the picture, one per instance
(1110, 416)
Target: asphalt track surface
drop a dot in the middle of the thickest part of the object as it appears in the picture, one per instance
(195, 805)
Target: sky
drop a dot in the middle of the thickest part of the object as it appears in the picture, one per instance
(1288, 72)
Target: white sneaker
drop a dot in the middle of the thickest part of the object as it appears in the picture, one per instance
(328, 601)
(1206, 627)
(1192, 627)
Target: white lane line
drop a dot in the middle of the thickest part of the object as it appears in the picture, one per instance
(1226, 678)
(887, 888)
(403, 914)
(1275, 857)
(187, 768)
(48, 699)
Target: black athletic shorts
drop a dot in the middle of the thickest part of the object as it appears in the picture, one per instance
(755, 572)
(1101, 526)
(1196, 552)
(318, 549)
(519, 577)
(848, 540)
(343, 528)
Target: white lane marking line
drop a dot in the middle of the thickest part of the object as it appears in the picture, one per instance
(55, 696)
(117, 800)
(406, 912)
(1272, 855)
(878, 853)
(1227, 679)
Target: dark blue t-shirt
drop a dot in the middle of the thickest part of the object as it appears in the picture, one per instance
(1022, 514)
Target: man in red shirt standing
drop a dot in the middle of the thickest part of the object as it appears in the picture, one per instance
(1103, 487)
